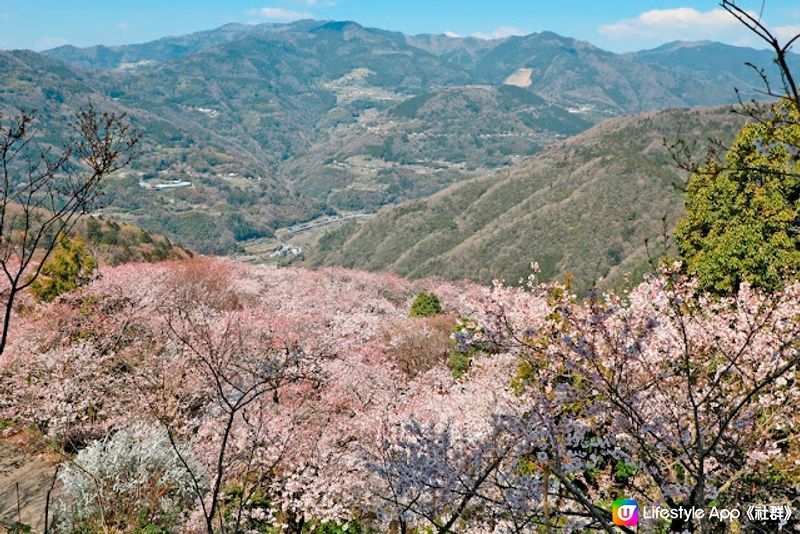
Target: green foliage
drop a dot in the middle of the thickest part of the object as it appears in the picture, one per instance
(464, 347)
(409, 108)
(742, 216)
(244, 229)
(459, 363)
(69, 266)
(426, 304)
(94, 230)
(18, 528)
(624, 471)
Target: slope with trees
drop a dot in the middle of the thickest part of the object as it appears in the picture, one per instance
(316, 134)
(585, 206)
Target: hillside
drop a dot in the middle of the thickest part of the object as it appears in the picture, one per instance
(317, 393)
(425, 143)
(583, 206)
(114, 243)
(204, 216)
(268, 126)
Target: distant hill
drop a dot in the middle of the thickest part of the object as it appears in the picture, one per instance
(133, 56)
(713, 64)
(279, 124)
(575, 73)
(422, 144)
(200, 217)
(584, 206)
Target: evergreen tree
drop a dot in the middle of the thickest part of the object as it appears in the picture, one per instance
(426, 304)
(743, 214)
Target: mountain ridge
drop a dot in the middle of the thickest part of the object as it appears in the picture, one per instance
(585, 205)
(280, 124)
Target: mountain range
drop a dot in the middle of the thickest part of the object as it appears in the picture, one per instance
(273, 125)
(589, 206)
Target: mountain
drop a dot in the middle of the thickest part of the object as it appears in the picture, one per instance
(718, 64)
(584, 206)
(102, 57)
(711, 57)
(207, 216)
(267, 93)
(575, 73)
(279, 124)
(462, 51)
(569, 72)
(424, 143)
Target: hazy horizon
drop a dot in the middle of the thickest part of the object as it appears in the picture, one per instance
(623, 27)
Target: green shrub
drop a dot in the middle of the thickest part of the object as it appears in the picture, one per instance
(465, 348)
(459, 363)
(425, 304)
(69, 266)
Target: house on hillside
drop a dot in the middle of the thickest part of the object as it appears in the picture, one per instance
(170, 184)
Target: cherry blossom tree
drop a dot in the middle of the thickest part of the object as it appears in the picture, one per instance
(670, 396)
(45, 191)
(227, 363)
(286, 385)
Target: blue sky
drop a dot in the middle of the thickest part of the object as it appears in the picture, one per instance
(619, 25)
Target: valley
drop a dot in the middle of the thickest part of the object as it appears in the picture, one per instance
(252, 130)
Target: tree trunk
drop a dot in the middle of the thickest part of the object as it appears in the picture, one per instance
(12, 293)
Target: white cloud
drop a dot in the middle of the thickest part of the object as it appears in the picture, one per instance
(786, 33)
(452, 34)
(659, 26)
(500, 33)
(279, 13)
(683, 23)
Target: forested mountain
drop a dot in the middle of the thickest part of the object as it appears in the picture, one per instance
(165, 49)
(174, 146)
(274, 124)
(585, 206)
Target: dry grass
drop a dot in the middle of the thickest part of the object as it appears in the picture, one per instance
(417, 345)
